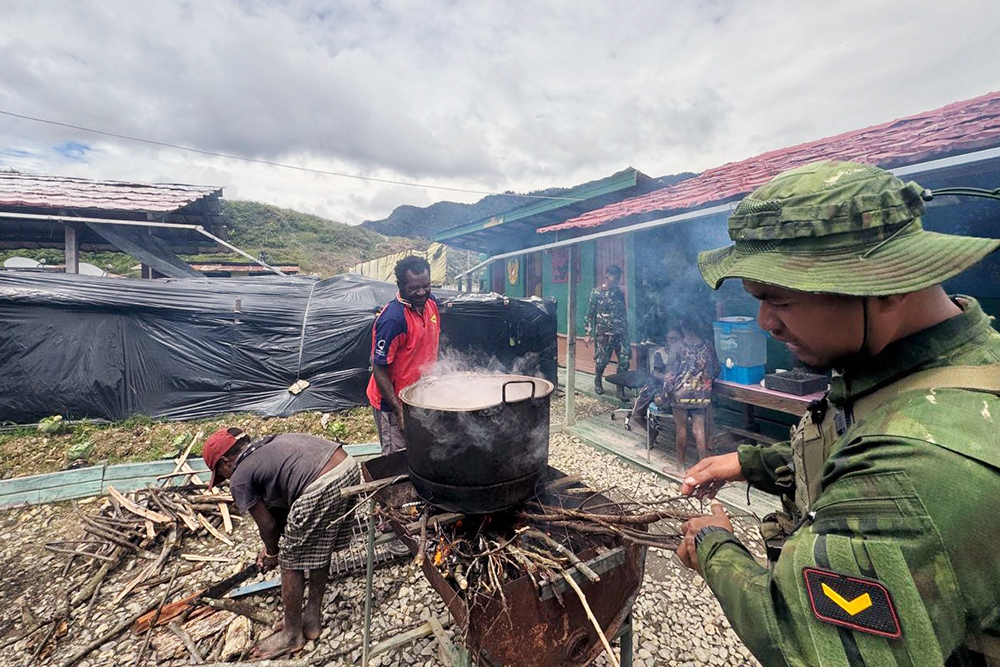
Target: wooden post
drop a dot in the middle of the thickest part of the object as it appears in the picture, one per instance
(72, 249)
(571, 340)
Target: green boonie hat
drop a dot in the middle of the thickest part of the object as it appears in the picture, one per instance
(839, 228)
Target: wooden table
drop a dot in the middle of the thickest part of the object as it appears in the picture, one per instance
(750, 396)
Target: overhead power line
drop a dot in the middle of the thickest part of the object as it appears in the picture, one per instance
(271, 163)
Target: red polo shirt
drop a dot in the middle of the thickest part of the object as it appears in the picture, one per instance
(406, 343)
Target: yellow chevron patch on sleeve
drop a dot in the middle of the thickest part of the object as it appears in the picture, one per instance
(850, 601)
(852, 607)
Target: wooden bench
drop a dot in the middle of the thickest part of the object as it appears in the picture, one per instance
(749, 396)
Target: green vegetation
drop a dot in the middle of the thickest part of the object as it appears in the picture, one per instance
(26, 450)
(319, 246)
(113, 262)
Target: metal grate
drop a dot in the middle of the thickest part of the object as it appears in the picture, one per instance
(354, 558)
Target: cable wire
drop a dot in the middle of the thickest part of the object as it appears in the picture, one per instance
(271, 163)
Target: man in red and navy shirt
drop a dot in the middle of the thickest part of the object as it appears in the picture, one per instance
(404, 346)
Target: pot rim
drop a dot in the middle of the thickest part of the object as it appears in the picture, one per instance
(547, 386)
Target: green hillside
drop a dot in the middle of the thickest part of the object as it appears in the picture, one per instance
(319, 246)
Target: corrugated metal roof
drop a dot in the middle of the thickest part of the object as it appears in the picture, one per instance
(957, 128)
(61, 192)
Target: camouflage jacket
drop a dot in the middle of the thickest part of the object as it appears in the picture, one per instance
(910, 500)
(606, 313)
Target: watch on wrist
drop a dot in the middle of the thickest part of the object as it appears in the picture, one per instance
(705, 532)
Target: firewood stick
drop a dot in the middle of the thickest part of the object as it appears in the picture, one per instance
(107, 636)
(76, 552)
(573, 558)
(438, 521)
(297, 662)
(562, 482)
(151, 569)
(52, 629)
(186, 467)
(187, 641)
(179, 461)
(213, 531)
(95, 581)
(156, 581)
(253, 613)
(134, 508)
(552, 512)
(159, 609)
(422, 544)
(198, 558)
(227, 521)
(593, 619)
(368, 487)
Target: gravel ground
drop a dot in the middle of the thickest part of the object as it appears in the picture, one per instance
(676, 619)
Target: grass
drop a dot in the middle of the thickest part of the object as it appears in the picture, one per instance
(26, 451)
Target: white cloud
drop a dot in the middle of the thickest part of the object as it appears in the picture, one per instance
(484, 96)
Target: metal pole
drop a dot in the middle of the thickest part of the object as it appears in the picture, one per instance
(571, 341)
(138, 223)
(366, 641)
(204, 232)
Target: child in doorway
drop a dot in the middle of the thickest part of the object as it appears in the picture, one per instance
(688, 388)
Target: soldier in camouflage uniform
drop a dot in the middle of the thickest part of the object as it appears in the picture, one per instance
(607, 322)
(888, 551)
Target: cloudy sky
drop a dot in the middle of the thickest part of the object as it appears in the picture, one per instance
(478, 95)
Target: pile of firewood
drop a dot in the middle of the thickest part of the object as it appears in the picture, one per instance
(144, 532)
(483, 553)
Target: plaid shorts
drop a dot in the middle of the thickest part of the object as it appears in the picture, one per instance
(320, 520)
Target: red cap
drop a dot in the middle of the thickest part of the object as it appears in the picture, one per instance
(216, 447)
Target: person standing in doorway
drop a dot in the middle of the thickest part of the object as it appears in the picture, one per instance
(607, 322)
(404, 347)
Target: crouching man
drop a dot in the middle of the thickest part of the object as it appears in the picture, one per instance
(290, 484)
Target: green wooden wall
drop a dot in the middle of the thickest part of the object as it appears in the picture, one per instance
(561, 290)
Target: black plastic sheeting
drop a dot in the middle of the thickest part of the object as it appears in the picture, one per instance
(103, 348)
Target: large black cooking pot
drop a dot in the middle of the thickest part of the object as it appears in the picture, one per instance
(476, 443)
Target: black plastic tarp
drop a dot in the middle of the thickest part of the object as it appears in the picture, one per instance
(103, 348)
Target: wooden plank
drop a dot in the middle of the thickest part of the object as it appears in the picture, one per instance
(51, 495)
(52, 480)
(143, 469)
(764, 398)
(401, 639)
(752, 435)
(364, 449)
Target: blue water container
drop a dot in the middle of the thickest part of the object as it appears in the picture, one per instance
(741, 346)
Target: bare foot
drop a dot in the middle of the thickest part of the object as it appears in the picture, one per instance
(277, 645)
(311, 628)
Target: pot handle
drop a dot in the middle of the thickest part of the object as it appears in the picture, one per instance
(503, 389)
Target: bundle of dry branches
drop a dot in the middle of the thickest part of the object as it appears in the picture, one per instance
(143, 532)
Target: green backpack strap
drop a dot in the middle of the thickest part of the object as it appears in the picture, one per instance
(974, 378)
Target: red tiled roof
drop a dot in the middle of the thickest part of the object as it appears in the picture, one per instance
(957, 128)
(36, 191)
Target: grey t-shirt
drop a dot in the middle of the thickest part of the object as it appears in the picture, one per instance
(279, 469)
